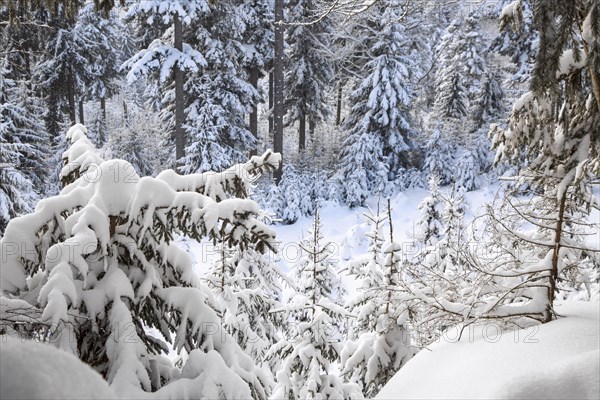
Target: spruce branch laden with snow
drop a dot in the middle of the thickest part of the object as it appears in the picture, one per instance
(99, 263)
(309, 349)
(381, 344)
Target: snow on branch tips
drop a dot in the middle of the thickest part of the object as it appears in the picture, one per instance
(97, 264)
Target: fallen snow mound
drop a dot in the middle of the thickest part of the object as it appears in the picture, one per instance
(39, 371)
(558, 360)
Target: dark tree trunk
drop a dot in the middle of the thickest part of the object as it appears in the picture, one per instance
(71, 98)
(103, 109)
(179, 101)
(338, 112)
(254, 114)
(302, 133)
(278, 108)
(311, 130)
(271, 104)
(125, 112)
(555, 257)
(103, 120)
(81, 119)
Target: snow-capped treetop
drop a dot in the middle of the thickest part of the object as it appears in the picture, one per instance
(79, 157)
(186, 10)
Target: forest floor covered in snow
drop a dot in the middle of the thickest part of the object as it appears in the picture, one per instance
(558, 360)
(345, 229)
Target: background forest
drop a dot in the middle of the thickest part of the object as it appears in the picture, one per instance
(433, 163)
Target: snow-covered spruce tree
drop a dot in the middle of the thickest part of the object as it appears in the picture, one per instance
(62, 72)
(14, 186)
(309, 71)
(168, 59)
(362, 169)
(469, 97)
(439, 158)
(99, 38)
(99, 263)
(452, 102)
(467, 171)
(378, 127)
(22, 150)
(222, 95)
(381, 343)
(454, 232)
(247, 285)
(309, 347)
(518, 38)
(471, 51)
(214, 96)
(24, 105)
(141, 139)
(556, 128)
(430, 224)
(295, 197)
(487, 102)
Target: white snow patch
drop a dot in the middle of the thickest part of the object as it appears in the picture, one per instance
(567, 63)
(558, 360)
(39, 371)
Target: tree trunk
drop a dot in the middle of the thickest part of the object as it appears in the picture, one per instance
(302, 133)
(555, 258)
(27, 56)
(81, 120)
(71, 98)
(278, 109)
(271, 104)
(254, 114)
(389, 273)
(595, 77)
(338, 112)
(311, 131)
(103, 120)
(125, 112)
(179, 100)
(103, 109)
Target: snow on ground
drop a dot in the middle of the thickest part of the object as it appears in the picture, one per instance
(346, 228)
(39, 371)
(558, 360)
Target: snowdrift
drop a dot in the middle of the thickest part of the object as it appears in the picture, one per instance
(39, 371)
(559, 360)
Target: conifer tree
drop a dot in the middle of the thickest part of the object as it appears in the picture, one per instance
(439, 159)
(214, 95)
(381, 343)
(378, 128)
(309, 71)
(518, 38)
(116, 272)
(247, 286)
(430, 224)
(23, 151)
(309, 349)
